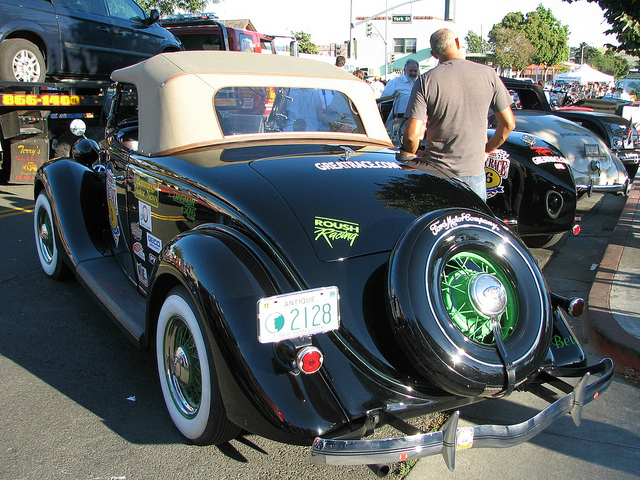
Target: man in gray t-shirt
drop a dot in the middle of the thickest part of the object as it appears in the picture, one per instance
(454, 99)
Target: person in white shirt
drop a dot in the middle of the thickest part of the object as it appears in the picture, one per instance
(402, 86)
(378, 87)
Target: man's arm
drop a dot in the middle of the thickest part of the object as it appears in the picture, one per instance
(412, 136)
(389, 88)
(506, 124)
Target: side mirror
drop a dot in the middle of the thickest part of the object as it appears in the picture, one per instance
(154, 16)
(78, 127)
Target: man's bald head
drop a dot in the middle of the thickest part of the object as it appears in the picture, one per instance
(445, 45)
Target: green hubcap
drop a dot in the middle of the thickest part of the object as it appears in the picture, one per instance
(182, 367)
(456, 284)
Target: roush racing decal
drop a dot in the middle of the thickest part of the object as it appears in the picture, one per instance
(332, 230)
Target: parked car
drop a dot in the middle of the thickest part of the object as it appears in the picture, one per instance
(531, 187)
(71, 39)
(248, 220)
(595, 166)
(618, 133)
(204, 31)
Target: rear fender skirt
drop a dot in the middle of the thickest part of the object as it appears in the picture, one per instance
(226, 273)
(70, 186)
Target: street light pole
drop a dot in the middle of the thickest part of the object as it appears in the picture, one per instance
(386, 38)
(350, 27)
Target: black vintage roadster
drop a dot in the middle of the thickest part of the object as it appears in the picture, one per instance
(246, 219)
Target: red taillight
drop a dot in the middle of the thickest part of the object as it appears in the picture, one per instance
(576, 229)
(309, 359)
(576, 307)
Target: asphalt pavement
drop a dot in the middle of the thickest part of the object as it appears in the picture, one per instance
(603, 265)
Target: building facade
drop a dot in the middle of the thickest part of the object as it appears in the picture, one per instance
(382, 42)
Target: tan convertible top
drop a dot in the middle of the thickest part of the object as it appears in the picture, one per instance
(176, 91)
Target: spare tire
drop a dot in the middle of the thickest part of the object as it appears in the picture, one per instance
(442, 271)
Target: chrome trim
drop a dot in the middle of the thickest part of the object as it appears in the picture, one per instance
(453, 438)
(617, 188)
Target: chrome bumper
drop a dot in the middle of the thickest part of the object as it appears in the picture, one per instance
(618, 188)
(453, 438)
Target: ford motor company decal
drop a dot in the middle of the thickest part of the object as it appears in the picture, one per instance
(453, 221)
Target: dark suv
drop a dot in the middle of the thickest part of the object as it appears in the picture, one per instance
(71, 39)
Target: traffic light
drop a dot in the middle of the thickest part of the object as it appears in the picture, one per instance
(369, 29)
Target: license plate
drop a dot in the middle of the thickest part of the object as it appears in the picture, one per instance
(298, 314)
(591, 150)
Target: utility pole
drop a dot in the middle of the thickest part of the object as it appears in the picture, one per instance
(386, 28)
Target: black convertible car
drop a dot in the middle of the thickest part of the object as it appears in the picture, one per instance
(247, 220)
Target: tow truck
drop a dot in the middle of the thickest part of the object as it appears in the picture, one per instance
(34, 123)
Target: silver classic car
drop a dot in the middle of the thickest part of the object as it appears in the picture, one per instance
(594, 165)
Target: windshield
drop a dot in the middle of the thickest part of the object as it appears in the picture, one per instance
(247, 110)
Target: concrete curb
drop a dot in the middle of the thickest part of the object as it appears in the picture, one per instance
(601, 327)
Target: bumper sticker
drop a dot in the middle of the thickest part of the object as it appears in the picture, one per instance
(496, 170)
(112, 203)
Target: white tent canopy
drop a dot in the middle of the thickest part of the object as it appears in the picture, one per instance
(584, 74)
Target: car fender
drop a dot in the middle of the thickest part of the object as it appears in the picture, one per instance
(44, 34)
(226, 284)
(68, 185)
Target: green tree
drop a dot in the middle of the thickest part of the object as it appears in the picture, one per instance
(304, 42)
(624, 18)
(166, 7)
(475, 43)
(548, 36)
(511, 49)
(614, 64)
(585, 53)
(609, 62)
(540, 27)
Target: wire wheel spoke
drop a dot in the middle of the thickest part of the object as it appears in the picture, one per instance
(185, 375)
(457, 275)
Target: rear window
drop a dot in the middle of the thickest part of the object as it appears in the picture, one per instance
(246, 110)
(201, 41)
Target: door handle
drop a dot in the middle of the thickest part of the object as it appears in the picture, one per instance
(103, 30)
